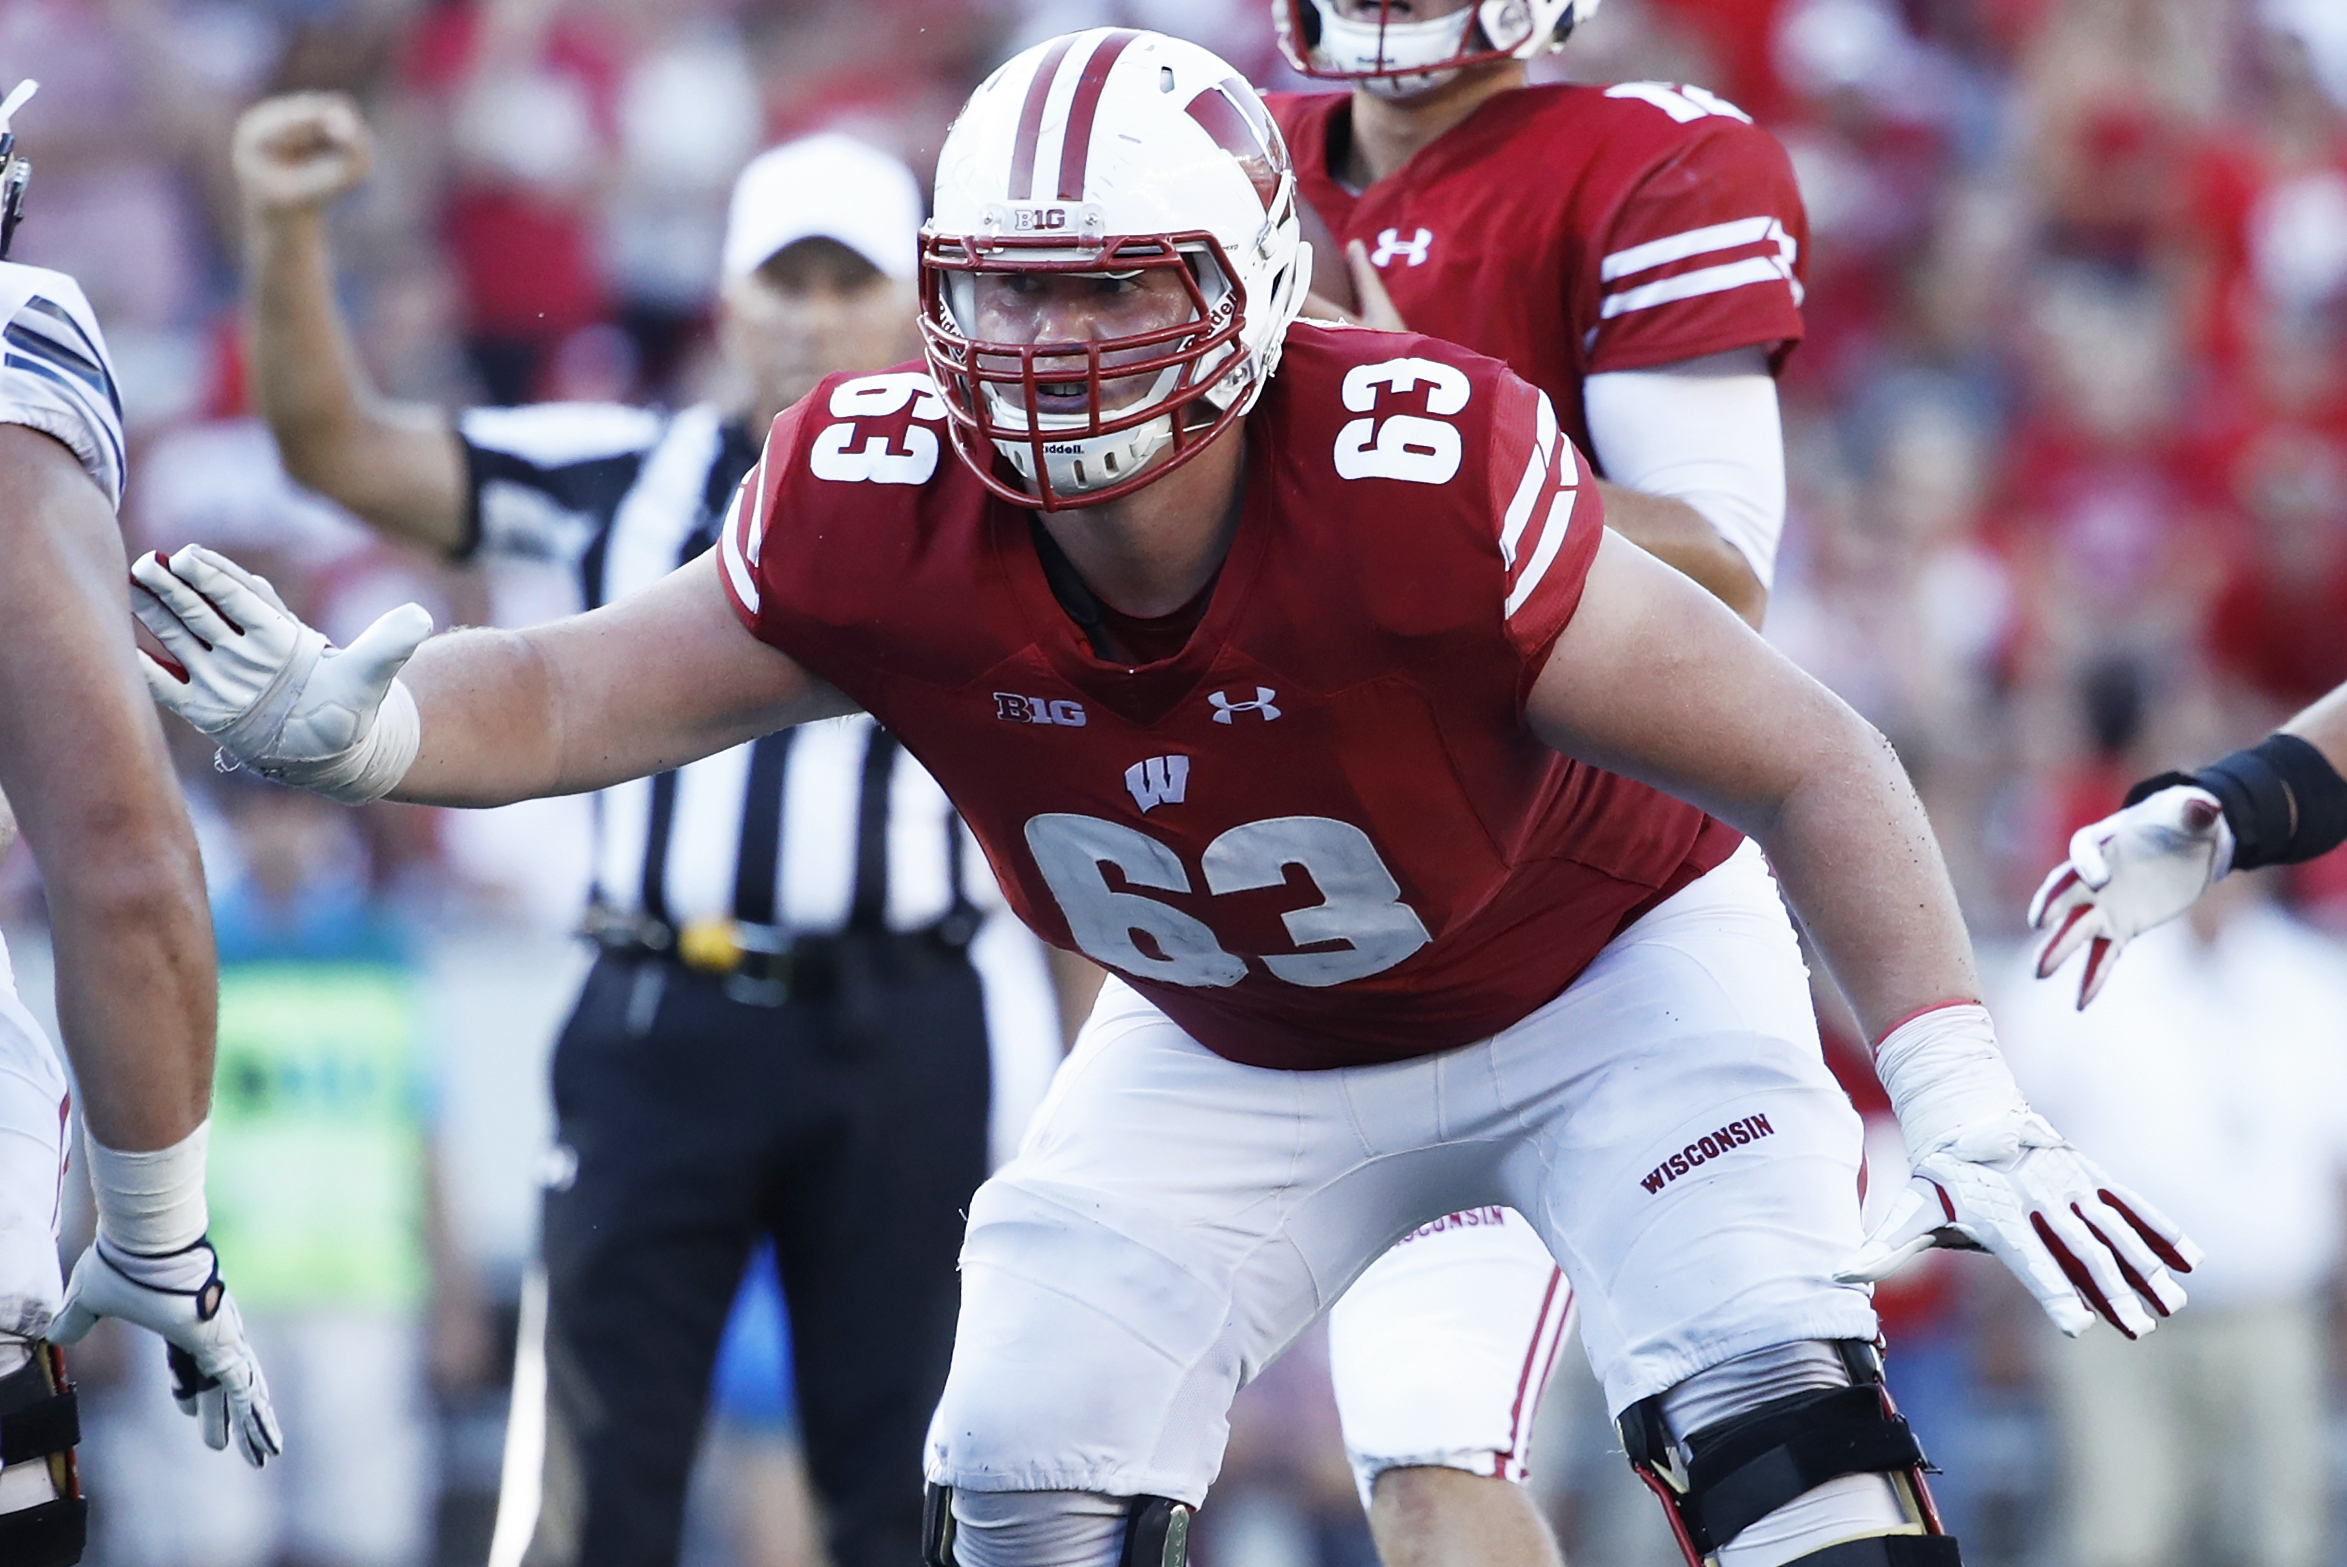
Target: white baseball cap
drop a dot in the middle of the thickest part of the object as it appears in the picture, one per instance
(830, 187)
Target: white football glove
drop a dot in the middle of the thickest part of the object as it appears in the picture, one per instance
(2127, 873)
(181, 1297)
(269, 689)
(1991, 1175)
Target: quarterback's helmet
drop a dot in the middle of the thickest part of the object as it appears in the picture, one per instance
(1395, 57)
(1114, 153)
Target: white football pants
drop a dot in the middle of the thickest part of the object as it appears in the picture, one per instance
(1174, 1220)
(33, 1109)
(1441, 1351)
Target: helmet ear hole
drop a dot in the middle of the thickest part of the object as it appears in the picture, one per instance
(1307, 14)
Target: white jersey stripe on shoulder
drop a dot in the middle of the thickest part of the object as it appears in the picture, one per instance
(739, 538)
(1677, 247)
(1544, 554)
(1691, 285)
(1519, 510)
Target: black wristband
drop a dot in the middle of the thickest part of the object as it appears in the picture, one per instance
(2284, 802)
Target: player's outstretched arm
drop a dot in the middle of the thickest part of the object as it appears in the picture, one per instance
(1653, 679)
(657, 679)
(2276, 803)
(398, 465)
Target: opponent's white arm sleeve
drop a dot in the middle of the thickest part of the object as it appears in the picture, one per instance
(1703, 431)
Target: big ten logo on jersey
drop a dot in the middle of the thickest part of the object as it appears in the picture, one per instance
(1681, 103)
(1012, 708)
(1359, 927)
(1393, 440)
(849, 452)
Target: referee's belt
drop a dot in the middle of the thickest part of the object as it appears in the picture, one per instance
(773, 958)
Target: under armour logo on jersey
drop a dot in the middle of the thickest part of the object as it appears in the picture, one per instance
(1014, 709)
(1391, 244)
(1224, 706)
(1160, 780)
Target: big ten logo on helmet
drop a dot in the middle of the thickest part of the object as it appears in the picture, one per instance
(1066, 217)
(1015, 709)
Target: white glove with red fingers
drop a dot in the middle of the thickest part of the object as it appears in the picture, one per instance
(2127, 873)
(275, 695)
(1991, 1175)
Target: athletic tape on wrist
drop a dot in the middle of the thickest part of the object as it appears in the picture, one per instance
(2283, 800)
(371, 767)
(151, 1203)
(1944, 1074)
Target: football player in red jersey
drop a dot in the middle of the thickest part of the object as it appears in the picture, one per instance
(1648, 280)
(1279, 668)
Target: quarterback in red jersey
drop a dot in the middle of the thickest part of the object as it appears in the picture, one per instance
(1635, 251)
(1289, 672)
(1649, 281)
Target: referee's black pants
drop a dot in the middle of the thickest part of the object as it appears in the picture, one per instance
(851, 1126)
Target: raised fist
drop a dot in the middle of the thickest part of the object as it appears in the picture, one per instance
(300, 153)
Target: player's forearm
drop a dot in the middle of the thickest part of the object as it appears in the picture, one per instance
(1856, 856)
(136, 993)
(492, 725)
(397, 465)
(2324, 726)
(1678, 535)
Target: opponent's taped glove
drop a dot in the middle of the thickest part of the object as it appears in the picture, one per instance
(269, 689)
(181, 1297)
(2127, 873)
(1991, 1175)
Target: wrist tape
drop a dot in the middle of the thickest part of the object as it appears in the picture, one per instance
(1944, 1074)
(151, 1203)
(2282, 800)
(371, 767)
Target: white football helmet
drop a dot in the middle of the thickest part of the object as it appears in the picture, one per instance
(1110, 151)
(1395, 57)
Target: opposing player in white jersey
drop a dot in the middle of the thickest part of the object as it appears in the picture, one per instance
(1291, 672)
(2280, 802)
(83, 760)
(1649, 279)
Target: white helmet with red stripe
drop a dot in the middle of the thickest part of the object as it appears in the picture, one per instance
(1112, 151)
(1394, 48)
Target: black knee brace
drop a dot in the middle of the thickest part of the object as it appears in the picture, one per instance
(1738, 1472)
(1157, 1530)
(40, 1419)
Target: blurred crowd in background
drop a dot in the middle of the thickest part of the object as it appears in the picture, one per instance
(2067, 450)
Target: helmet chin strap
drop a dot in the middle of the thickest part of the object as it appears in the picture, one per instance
(1076, 464)
(1353, 45)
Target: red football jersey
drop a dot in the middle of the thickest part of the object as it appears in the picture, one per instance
(1319, 835)
(1572, 230)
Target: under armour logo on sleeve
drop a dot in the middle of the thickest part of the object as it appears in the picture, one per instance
(1391, 244)
(1224, 707)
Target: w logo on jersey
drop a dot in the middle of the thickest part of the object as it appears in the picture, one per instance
(1160, 780)
(1391, 244)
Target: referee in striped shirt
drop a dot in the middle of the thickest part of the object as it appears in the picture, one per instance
(785, 1033)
